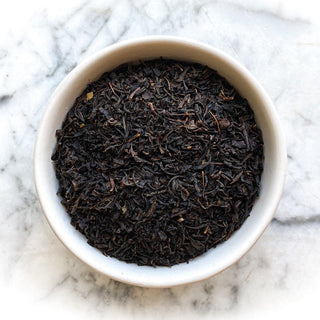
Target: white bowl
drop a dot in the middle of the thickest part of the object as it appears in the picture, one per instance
(213, 261)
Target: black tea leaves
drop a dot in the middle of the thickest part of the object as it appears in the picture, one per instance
(158, 162)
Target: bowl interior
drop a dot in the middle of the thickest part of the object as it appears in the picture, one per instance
(215, 260)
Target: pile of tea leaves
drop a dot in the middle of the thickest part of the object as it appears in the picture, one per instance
(158, 162)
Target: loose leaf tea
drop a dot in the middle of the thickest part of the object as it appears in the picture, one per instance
(158, 162)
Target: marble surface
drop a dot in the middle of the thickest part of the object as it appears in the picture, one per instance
(278, 41)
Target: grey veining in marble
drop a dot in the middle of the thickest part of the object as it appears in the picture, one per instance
(278, 41)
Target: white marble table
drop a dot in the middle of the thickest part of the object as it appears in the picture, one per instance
(278, 41)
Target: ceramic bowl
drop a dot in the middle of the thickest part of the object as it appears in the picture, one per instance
(213, 261)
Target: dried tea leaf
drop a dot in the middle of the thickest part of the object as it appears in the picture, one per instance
(89, 95)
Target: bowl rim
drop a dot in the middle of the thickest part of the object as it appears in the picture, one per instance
(277, 130)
